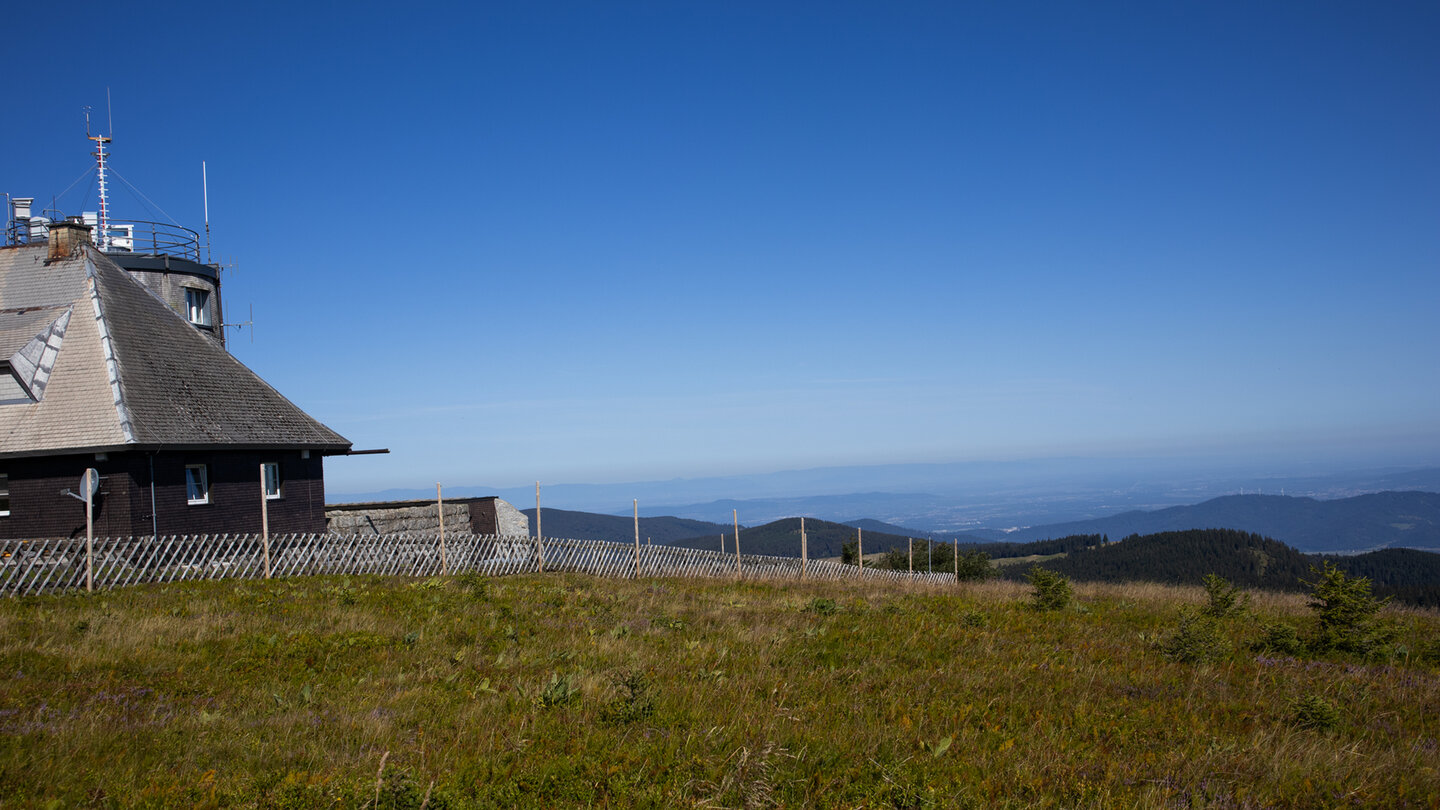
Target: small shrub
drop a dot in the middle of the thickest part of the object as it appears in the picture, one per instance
(559, 691)
(1198, 639)
(1315, 713)
(1345, 613)
(1052, 591)
(974, 566)
(1223, 600)
(1279, 638)
(635, 701)
(972, 618)
(822, 607)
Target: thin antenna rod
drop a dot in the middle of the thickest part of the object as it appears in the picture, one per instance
(205, 186)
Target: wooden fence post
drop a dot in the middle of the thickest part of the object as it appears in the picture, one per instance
(860, 547)
(440, 507)
(539, 535)
(637, 537)
(735, 513)
(910, 547)
(804, 550)
(957, 559)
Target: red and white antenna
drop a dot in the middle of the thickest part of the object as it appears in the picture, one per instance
(100, 141)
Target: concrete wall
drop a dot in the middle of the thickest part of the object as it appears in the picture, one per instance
(474, 515)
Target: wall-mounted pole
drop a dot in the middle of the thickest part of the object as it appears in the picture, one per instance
(539, 546)
(735, 513)
(264, 520)
(440, 508)
(89, 487)
(637, 537)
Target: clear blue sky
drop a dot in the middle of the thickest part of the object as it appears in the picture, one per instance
(626, 241)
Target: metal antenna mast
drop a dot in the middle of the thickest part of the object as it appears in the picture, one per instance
(100, 141)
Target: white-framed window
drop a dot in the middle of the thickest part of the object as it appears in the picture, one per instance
(197, 484)
(272, 480)
(197, 306)
(4, 495)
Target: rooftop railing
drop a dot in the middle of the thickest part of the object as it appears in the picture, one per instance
(125, 236)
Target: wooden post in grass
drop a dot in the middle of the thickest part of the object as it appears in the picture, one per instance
(539, 545)
(957, 559)
(735, 513)
(264, 521)
(722, 544)
(860, 547)
(910, 547)
(637, 538)
(440, 508)
(804, 549)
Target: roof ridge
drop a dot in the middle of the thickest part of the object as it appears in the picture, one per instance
(107, 346)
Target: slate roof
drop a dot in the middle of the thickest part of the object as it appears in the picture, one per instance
(112, 367)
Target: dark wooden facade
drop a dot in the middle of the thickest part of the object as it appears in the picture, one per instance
(39, 507)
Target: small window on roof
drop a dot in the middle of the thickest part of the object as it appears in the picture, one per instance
(197, 306)
(11, 391)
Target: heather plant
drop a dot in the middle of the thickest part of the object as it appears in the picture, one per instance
(1051, 590)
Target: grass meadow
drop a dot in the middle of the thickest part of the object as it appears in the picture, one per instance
(572, 691)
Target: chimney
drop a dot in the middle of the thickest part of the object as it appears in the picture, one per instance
(66, 238)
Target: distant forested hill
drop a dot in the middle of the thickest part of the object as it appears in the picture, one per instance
(1379, 520)
(1243, 558)
(782, 539)
(592, 526)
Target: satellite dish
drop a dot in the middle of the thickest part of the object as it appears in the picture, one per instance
(89, 483)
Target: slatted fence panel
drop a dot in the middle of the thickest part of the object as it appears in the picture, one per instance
(49, 566)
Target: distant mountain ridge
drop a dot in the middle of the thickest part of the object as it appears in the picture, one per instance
(568, 524)
(1361, 523)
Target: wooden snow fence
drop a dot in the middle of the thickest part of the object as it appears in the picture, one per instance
(50, 566)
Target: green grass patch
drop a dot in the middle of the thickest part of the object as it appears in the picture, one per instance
(573, 691)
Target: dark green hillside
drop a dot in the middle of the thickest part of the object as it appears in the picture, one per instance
(782, 539)
(1245, 559)
(615, 528)
(1242, 558)
(1411, 576)
(1378, 520)
(1041, 548)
